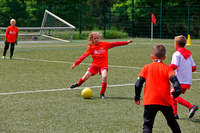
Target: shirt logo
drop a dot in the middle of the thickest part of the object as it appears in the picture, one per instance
(99, 51)
(12, 32)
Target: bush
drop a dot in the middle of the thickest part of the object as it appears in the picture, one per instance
(82, 36)
(114, 34)
(110, 34)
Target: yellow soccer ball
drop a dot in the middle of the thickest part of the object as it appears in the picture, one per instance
(87, 93)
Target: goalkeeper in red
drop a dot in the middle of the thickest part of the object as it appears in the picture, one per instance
(11, 38)
(99, 52)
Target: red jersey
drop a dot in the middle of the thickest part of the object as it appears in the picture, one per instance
(99, 53)
(11, 34)
(157, 86)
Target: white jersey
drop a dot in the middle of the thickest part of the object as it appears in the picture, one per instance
(184, 67)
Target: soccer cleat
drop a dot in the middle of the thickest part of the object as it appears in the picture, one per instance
(3, 57)
(192, 111)
(176, 117)
(74, 85)
(102, 96)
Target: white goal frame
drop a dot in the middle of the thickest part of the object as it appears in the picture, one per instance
(68, 27)
(40, 29)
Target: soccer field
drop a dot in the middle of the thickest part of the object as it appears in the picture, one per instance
(35, 95)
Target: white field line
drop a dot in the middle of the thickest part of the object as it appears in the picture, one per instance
(195, 79)
(87, 64)
(62, 89)
(66, 62)
(48, 46)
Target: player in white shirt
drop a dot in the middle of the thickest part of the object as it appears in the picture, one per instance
(183, 64)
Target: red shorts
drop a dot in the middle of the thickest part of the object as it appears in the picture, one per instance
(184, 87)
(95, 69)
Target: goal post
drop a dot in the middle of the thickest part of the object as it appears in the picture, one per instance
(52, 28)
(56, 28)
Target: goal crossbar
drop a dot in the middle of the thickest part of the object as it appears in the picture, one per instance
(40, 28)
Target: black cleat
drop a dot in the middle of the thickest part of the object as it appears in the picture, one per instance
(102, 96)
(192, 111)
(176, 117)
(74, 85)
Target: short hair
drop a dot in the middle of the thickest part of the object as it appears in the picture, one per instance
(92, 34)
(180, 40)
(159, 51)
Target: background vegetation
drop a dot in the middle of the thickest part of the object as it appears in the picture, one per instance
(131, 16)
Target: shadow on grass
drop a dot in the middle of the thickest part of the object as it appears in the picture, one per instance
(192, 120)
(116, 98)
(196, 120)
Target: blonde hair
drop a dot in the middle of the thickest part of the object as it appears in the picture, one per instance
(92, 34)
(180, 40)
(13, 20)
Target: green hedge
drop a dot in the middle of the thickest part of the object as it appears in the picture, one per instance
(110, 34)
(114, 34)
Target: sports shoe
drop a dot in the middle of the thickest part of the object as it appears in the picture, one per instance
(3, 57)
(102, 96)
(176, 117)
(192, 111)
(74, 85)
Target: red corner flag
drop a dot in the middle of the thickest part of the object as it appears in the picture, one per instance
(153, 18)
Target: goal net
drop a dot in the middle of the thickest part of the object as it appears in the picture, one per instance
(56, 28)
(52, 28)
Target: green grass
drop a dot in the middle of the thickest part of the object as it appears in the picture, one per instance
(65, 111)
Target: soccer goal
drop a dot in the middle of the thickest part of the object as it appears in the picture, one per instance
(56, 28)
(52, 28)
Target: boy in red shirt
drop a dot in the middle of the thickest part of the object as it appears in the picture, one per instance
(11, 38)
(183, 64)
(99, 52)
(157, 95)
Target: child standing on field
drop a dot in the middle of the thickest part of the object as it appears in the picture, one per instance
(157, 95)
(99, 52)
(183, 64)
(11, 38)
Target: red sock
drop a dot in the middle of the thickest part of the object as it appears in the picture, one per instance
(80, 82)
(174, 106)
(103, 87)
(183, 102)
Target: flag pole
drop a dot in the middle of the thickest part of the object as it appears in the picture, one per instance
(151, 31)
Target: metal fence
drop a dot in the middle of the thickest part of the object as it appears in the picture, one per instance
(172, 20)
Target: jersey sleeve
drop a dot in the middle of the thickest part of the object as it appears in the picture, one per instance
(143, 72)
(175, 61)
(194, 67)
(171, 72)
(115, 44)
(7, 32)
(17, 31)
(81, 58)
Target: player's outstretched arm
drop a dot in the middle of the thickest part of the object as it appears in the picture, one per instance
(80, 59)
(116, 44)
(130, 41)
(73, 66)
(138, 88)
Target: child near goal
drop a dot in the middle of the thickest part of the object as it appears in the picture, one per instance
(99, 52)
(11, 38)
